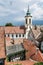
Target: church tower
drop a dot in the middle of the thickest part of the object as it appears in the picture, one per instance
(28, 22)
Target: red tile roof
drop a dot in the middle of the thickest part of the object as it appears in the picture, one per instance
(15, 30)
(2, 47)
(28, 45)
(36, 32)
(32, 51)
(38, 56)
(26, 62)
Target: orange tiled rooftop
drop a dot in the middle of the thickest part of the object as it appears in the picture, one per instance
(20, 41)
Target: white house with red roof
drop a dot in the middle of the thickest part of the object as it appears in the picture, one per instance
(20, 42)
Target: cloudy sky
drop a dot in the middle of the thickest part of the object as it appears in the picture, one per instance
(15, 10)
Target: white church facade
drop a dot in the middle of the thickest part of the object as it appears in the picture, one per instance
(20, 32)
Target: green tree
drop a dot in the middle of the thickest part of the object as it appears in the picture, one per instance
(8, 24)
(7, 59)
(39, 63)
(18, 64)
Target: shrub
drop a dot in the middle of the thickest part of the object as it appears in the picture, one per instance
(8, 24)
(17, 64)
(7, 59)
(39, 63)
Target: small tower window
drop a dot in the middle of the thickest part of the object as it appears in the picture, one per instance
(26, 21)
(29, 21)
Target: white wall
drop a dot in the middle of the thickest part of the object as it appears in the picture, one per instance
(28, 25)
(14, 35)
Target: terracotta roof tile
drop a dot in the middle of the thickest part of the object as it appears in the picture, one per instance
(33, 52)
(15, 30)
(15, 41)
(36, 32)
(2, 47)
(26, 62)
(38, 56)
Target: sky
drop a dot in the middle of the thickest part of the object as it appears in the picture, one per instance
(15, 10)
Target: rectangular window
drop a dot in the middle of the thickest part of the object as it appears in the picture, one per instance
(16, 35)
(19, 35)
(8, 35)
(29, 21)
(23, 35)
(12, 35)
(26, 21)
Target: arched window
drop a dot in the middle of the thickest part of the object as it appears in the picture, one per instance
(26, 21)
(29, 21)
(23, 35)
(16, 35)
(19, 35)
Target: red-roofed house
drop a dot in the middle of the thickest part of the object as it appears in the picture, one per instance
(32, 51)
(19, 43)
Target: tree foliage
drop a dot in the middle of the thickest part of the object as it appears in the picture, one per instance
(8, 24)
(39, 63)
(18, 64)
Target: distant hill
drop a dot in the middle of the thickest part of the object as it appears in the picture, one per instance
(34, 22)
(18, 23)
(38, 22)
